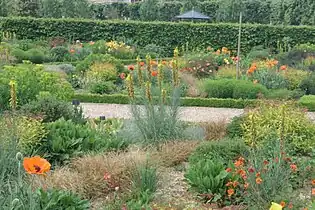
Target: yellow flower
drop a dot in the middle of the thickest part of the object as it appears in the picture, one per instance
(275, 206)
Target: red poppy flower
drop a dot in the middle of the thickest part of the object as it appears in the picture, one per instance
(283, 68)
(154, 73)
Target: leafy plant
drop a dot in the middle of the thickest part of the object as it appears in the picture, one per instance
(224, 150)
(58, 53)
(270, 79)
(234, 128)
(53, 199)
(85, 64)
(308, 84)
(208, 178)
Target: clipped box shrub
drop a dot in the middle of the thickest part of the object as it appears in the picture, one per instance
(308, 102)
(230, 88)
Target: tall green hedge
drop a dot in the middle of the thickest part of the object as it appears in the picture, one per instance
(166, 34)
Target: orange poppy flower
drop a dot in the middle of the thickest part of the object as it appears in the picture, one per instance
(293, 167)
(152, 63)
(131, 68)
(141, 63)
(230, 192)
(72, 51)
(235, 183)
(228, 170)
(154, 73)
(313, 191)
(283, 68)
(282, 203)
(258, 174)
(313, 182)
(259, 180)
(36, 165)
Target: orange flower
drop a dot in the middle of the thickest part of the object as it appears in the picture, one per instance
(272, 63)
(72, 51)
(228, 170)
(313, 191)
(230, 192)
(246, 185)
(141, 63)
(36, 165)
(293, 167)
(131, 68)
(122, 76)
(251, 170)
(282, 203)
(229, 184)
(313, 182)
(152, 63)
(241, 172)
(154, 73)
(259, 180)
(283, 68)
(258, 174)
(164, 62)
(239, 162)
(235, 183)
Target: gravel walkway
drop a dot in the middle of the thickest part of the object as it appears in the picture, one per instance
(189, 114)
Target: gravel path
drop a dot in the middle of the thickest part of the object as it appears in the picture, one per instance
(189, 114)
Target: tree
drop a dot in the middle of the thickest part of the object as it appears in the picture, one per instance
(28, 8)
(52, 8)
(148, 10)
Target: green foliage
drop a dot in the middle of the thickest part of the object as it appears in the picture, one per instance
(229, 88)
(159, 33)
(153, 50)
(295, 77)
(31, 80)
(281, 121)
(148, 10)
(158, 122)
(201, 65)
(284, 94)
(59, 200)
(270, 79)
(187, 101)
(51, 109)
(274, 175)
(225, 150)
(92, 59)
(308, 101)
(103, 87)
(234, 128)
(308, 84)
(66, 140)
(58, 53)
(208, 177)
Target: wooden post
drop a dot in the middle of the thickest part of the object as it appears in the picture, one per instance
(239, 48)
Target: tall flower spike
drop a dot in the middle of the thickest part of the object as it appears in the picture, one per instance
(131, 91)
(160, 75)
(139, 71)
(148, 91)
(13, 95)
(149, 68)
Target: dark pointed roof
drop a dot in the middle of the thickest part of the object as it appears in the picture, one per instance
(193, 15)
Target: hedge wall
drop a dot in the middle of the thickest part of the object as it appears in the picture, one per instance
(166, 34)
(201, 102)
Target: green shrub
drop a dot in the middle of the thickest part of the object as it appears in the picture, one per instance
(66, 140)
(103, 87)
(51, 109)
(284, 121)
(99, 47)
(20, 55)
(308, 84)
(295, 77)
(36, 56)
(229, 88)
(53, 199)
(153, 50)
(58, 53)
(31, 80)
(234, 128)
(85, 64)
(284, 94)
(225, 150)
(258, 53)
(270, 79)
(208, 177)
(308, 101)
